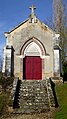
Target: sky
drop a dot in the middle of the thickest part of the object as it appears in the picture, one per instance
(13, 12)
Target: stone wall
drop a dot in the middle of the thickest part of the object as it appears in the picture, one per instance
(21, 35)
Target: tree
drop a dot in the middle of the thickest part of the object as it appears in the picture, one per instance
(59, 24)
(1, 59)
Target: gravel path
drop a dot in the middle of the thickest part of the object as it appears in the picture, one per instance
(28, 116)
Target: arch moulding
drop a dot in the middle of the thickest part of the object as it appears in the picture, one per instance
(37, 42)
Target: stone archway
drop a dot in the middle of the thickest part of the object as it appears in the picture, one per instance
(37, 42)
(32, 63)
(32, 53)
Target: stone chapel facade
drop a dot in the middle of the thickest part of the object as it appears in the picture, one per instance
(32, 51)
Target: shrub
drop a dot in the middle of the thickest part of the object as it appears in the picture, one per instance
(6, 82)
(2, 103)
(65, 68)
(65, 72)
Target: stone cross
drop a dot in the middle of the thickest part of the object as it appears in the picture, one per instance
(32, 9)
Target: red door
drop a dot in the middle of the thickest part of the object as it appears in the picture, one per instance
(32, 68)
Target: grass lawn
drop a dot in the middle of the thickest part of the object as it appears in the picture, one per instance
(61, 92)
(2, 102)
(4, 98)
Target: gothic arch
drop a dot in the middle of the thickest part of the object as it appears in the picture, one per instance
(37, 42)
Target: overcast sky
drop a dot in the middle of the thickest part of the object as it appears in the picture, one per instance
(13, 12)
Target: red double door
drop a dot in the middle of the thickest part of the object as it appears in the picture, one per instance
(32, 68)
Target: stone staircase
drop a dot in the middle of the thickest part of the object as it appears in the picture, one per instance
(33, 96)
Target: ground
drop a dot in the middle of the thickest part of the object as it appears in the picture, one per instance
(61, 92)
(28, 116)
(57, 113)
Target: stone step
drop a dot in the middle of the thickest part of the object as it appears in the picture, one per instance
(35, 96)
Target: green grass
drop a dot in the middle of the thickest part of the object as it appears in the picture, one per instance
(61, 111)
(4, 99)
(2, 102)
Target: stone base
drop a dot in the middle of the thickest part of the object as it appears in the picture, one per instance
(35, 96)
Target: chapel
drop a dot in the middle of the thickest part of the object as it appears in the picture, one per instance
(32, 50)
(32, 56)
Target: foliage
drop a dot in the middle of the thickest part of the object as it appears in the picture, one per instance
(64, 71)
(3, 102)
(10, 103)
(65, 67)
(6, 82)
(61, 112)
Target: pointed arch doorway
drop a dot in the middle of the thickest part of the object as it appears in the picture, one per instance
(32, 62)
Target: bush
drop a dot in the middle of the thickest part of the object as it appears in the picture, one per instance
(6, 82)
(65, 72)
(65, 67)
(2, 103)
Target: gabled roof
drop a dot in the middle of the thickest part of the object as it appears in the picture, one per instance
(32, 16)
(44, 26)
(17, 26)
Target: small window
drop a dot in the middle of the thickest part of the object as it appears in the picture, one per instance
(32, 20)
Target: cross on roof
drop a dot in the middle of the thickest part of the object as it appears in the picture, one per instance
(32, 9)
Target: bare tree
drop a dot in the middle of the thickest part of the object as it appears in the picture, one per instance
(1, 59)
(59, 23)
